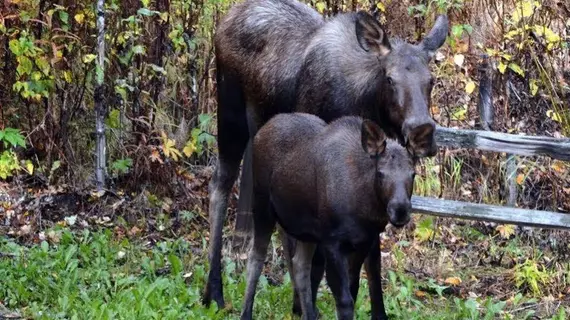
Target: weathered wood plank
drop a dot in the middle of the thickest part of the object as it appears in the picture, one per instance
(504, 142)
(483, 212)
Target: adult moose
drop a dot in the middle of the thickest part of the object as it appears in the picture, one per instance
(278, 56)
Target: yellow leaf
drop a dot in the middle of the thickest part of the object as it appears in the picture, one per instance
(520, 179)
(67, 76)
(80, 18)
(506, 230)
(516, 68)
(321, 6)
(549, 35)
(524, 9)
(381, 6)
(502, 67)
(470, 87)
(553, 115)
(435, 109)
(189, 148)
(558, 166)
(459, 59)
(454, 281)
(533, 87)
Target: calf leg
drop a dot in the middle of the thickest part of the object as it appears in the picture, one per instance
(317, 272)
(339, 282)
(232, 139)
(373, 268)
(263, 226)
(301, 277)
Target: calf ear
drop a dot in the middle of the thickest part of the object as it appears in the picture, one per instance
(370, 35)
(373, 138)
(436, 37)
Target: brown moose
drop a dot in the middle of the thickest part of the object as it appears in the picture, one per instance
(336, 186)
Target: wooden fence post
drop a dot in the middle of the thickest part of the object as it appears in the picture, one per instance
(486, 115)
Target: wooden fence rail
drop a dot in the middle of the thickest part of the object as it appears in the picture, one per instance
(483, 212)
(556, 148)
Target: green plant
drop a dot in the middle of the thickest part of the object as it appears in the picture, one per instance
(530, 274)
(121, 166)
(11, 138)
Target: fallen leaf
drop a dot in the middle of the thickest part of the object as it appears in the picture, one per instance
(553, 115)
(502, 67)
(25, 229)
(506, 230)
(469, 87)
(454, 281)
(520, 179)
(420, 293)
(459, 59)
(70, 220)
(558, 166)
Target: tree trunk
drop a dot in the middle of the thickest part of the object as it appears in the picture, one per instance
(100, 110)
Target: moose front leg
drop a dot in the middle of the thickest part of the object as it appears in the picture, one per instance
(354, 268)
(339, 282)
(373, 269)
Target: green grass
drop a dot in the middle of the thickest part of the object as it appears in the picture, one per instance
(95, 276)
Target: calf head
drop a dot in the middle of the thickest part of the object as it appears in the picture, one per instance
(395, 173)
(404, 83)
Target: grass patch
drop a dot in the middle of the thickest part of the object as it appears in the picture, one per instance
(93, 275)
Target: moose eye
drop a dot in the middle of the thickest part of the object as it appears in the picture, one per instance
(390, 81)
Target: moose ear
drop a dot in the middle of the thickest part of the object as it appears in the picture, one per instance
(370, 35)
(373, 138)
(436, 37)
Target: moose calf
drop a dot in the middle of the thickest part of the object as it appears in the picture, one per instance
(335, 185)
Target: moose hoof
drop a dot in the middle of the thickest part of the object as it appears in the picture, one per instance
(208, 297)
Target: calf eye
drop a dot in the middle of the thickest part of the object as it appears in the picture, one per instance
(390, 81)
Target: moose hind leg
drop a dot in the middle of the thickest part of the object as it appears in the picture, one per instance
(232, 139)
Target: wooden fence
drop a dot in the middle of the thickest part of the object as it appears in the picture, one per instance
(510, 144)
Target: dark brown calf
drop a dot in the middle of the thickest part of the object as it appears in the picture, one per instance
(335, 186)
(278, 56)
